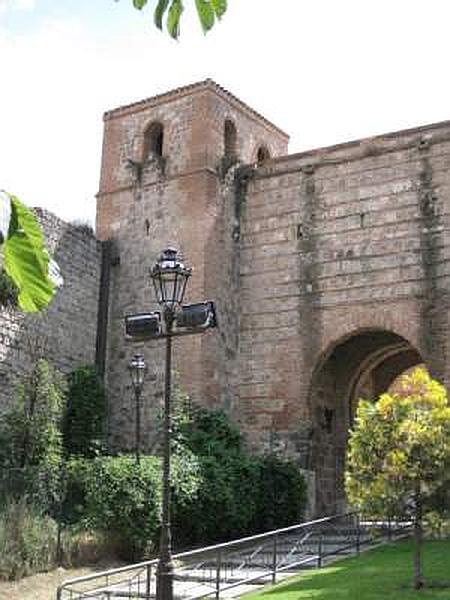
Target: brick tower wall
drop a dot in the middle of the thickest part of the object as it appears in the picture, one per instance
(148, 202)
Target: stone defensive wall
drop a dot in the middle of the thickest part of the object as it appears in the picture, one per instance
(344, 283)
(66, 332)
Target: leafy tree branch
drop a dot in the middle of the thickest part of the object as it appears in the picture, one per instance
(208, 11)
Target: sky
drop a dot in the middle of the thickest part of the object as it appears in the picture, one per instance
(325, 71)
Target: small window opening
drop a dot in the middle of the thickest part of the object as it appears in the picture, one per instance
(153, 141)
(262, 155)
(230, 139)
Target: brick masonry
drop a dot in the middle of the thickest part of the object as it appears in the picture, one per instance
(330, 269)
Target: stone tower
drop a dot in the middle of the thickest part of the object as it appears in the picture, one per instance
(167, 172)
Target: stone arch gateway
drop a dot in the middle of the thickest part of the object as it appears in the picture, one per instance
(361, 365)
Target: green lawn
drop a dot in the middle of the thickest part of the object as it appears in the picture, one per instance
(381, 574)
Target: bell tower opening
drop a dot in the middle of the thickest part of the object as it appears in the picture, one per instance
(153, 141)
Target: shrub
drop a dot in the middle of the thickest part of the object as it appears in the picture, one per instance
(80, 547)
(84, 422)
(204, 431)
(239, 494)
(27, 540)
(224, 505)
(30, 437)
(219, 491)
(282, 494)
(117, 496)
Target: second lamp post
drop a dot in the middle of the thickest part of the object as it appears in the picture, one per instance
(138, 369)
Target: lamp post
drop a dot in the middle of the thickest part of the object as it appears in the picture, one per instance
(137, 369)
(169, 277)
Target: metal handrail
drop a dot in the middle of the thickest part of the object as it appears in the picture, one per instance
(224, 567)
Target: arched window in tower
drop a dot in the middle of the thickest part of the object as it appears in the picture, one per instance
(230, 139)
(153, 141)
(262, 155)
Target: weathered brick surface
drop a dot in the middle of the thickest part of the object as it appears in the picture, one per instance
(66, 332)
(336, 243)
(330, 269)
(187, 205)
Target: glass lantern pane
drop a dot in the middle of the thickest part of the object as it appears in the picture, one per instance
(169, 285)
(157, 288)
(183, 282)
(137, 369)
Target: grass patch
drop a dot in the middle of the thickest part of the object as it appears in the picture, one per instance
(384, 573)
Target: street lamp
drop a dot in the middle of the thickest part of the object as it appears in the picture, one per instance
(169, 277)
(137, 369)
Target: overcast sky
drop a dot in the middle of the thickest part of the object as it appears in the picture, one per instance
(325, 71)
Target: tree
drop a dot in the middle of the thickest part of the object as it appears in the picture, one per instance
(399, 455)
(30, 435)
(84, 421)
(208, 12)
(24, 257)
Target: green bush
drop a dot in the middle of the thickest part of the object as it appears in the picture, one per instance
(282, 494)
(239, 494)
(84, 422)
(204, 431)
(224, 505)
(117, 496)
(30, 438)
(27, 540)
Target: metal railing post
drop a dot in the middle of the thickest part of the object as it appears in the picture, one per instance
(390, 529)
(319, 552)
(148, 582)
(358, 534)
(218, 569)
(274, 558)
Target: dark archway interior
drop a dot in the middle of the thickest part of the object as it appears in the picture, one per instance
(153, 141)
(263, 154)
(361, 366)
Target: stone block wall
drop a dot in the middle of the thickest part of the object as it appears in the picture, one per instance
(339, 244)
(65, 333)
